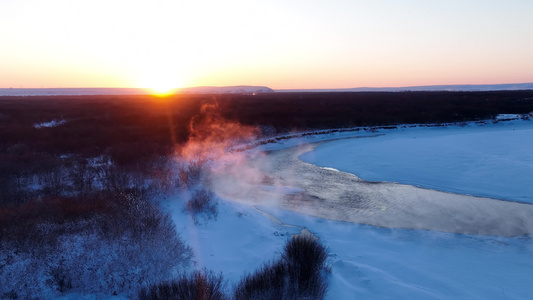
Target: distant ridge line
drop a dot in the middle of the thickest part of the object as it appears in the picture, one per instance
(246, 89)
(71, 91)
(451, 88)
(239, 89)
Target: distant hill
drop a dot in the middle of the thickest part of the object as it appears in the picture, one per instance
(247, 89)
(71, 91)
(239, 89)
(458, 87)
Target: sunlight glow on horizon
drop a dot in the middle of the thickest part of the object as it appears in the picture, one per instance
(165, 44)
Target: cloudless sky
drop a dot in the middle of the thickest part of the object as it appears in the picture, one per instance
(277, 43)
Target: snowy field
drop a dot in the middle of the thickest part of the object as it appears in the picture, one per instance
(370, 262)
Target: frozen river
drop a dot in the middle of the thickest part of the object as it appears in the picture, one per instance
(492, 161)
(437, 156)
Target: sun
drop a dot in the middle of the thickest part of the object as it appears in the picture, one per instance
(163, 86)
(162, 90)
(162, 83)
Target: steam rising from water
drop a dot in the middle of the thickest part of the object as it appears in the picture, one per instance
(279, 178)
(212, 137)
(243, 176)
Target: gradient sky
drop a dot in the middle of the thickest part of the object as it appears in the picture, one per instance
(277, 43)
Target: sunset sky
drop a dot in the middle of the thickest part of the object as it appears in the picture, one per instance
(277, 43)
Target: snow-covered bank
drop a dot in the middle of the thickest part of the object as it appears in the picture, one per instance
(378, 263)
(493, 161)
(366, 262)
(240, 240)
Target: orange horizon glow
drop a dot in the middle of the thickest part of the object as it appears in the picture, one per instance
(163, 45)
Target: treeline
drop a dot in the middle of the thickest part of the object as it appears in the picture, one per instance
(304, 111)
(129, 128)
(125, 127)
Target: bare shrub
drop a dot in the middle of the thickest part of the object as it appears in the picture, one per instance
(163, 175)
(202, 204)
(299, 274)
(305, 258)
(200, 285)
(269, 282)
(108, 243)
(81, 176)
(192, 173)
(53, 181)
(13, 190)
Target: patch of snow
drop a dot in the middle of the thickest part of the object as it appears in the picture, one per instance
(100, 161)
(53, 123)
(508, 117)
(331, 169)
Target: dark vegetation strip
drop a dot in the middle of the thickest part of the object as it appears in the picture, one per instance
(129, 128)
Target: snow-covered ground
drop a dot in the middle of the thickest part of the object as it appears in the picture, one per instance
(370, 262)
(367, 262)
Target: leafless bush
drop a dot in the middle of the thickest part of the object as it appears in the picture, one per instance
(202, 204)
(305, 258)
(81, 176)
(269, 282)
(201, 285)
(192, 173)
(112, 243)
(300, 274)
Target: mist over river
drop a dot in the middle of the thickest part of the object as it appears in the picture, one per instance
(322, 189)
